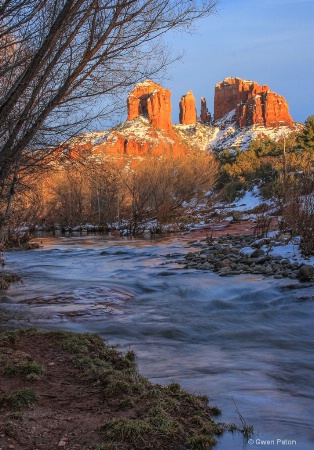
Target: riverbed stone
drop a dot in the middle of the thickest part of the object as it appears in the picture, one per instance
(254, 261)
(306, 272)
(285, 261)
(231, 255)
(258, 252)
(260, 242)
(268, 269)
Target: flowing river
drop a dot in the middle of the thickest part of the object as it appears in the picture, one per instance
(244, 340)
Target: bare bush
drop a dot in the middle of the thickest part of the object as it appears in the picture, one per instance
(105, 193)
(298, 211)
(158, 187)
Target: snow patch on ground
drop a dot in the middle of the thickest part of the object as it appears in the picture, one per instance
(229, 135)
(196, 135)
(93, 138)
(250, 200)
(290, 251)
(141, 129)
(247, 251)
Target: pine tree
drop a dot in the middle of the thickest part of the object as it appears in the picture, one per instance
(306, 139)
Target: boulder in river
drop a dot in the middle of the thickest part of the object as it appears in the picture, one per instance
(306, 272)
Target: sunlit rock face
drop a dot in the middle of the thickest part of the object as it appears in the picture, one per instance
(244, 111)
(253, 104)
(147, 132)
(134, 138)
(205, 115)
(151, 100)
(187, 109)
(139, 138)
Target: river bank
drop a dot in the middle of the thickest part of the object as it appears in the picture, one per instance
(246, 337)
(73, 391)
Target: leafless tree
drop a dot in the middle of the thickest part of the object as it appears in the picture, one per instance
(106, 192)
(82, 191)
(57, 57)
(158, 187)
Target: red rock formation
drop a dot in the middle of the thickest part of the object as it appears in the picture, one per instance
(159, 109)
(136, 138)
(254, 104)
(139, 140)
(187, 109)
(276, 110)
(205, 115)
(151, 100)
(149, 131)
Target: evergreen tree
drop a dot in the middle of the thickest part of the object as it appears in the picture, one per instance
(306, 139)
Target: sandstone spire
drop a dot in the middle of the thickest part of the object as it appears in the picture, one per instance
(151, 100)
(187, 109)
(205, 115)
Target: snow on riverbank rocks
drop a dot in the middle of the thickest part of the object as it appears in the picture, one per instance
(235, 255)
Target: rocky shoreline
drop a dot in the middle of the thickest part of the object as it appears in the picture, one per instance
(234, 255)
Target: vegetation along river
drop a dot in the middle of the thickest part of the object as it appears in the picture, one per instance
(243, 339)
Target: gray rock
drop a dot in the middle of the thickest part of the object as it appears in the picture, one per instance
(268, 269)
(257, 271)
(264, 259)
(306, 272)
(287, 273)
(258, 252)
(260, 242)
(285, 261)
(208, 266)
(244, 260)
(225, 270)
(254, 261)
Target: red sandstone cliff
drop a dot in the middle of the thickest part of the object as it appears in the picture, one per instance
(253, 104)
(140, 138)
(151, 100)
(187, 109)
(134, 138)
(148, 130)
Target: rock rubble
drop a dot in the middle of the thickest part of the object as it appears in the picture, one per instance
(235, 255)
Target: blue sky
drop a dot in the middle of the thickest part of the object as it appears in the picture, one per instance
(268, 41)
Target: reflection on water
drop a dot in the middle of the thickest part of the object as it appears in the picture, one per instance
(244, 338)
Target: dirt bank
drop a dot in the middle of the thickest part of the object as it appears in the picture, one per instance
(71, 391)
